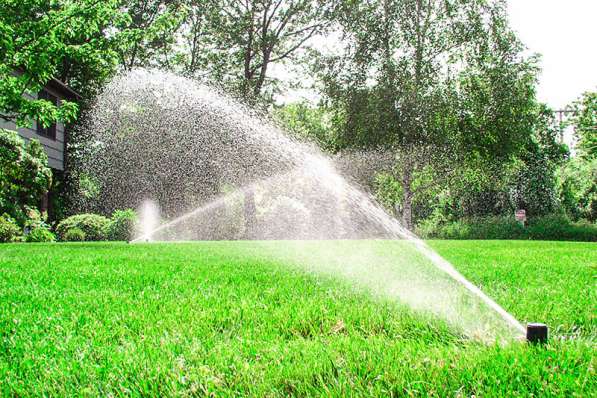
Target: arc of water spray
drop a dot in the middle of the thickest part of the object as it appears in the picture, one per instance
(449, 269)
(209, 206)
(437, 260)
(288, 152)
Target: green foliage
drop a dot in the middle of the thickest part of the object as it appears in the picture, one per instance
(244, 326)
(40, 234)
(237, 45)
(439, 83)
(559, 227)
(309, 123)
(480, 187)
(577, 188)
(388, 191)
(57, 196)
(584, 122)
(122, 225)
(45, 39)
(478, 228)
(531, 178)
(93, 225)
(550, 227)
(9, 229)
(36, 219)
(24, 175)
(147, 31)
(79, 42)
(37, 229)
(577, 178)
(74, 235)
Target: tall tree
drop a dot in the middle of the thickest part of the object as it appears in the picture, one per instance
(436, 82)
(195, 38)
(242, 39)
(237, 42)
(584, 122)
(37, 38)
(148, 33)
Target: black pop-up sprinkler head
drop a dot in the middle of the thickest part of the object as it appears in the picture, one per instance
(537, 333)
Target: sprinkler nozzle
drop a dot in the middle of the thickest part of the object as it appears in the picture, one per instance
(537, 333)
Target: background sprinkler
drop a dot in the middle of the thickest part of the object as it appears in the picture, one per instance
(537, 333)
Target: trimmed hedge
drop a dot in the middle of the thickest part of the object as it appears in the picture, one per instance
(554, 227)
(75, 235)
(561, 228)
(40, 234)
(92, 225)
(121, 225)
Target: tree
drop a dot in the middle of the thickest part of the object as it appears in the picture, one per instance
(438, 83)
(308, 123)
(577, 178)
(37, 39)
(148, 34)
(577, 185)
(584, 122)
(242, 39)
(82, 43)
(531, 179)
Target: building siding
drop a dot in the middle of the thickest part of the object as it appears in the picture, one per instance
(54, 148)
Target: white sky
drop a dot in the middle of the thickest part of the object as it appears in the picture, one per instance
(564, 32)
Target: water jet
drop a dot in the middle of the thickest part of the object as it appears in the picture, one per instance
(197, 153)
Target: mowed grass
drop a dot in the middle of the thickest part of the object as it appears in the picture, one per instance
(216, 318)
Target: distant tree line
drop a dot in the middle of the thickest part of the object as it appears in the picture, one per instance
(437, 92)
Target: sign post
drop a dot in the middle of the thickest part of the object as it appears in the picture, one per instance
(521, 216)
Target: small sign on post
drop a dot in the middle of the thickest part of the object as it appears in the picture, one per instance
(521, 216)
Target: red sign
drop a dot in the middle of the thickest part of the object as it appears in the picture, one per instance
(521, 215)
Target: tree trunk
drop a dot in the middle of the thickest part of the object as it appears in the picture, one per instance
(407, 197)
(407, 210)
(250, 214)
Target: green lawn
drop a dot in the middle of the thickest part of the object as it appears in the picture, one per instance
(218, 318)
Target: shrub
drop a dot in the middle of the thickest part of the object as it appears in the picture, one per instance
(122, 225)
(74, 235)
(9, 230)
(559, 227)
(24, 175)
(93, 225)
(35, 219)
(552, 227)
(36, 228)
(40, 234)
(578, 188)
(498, 228)
(475, 228)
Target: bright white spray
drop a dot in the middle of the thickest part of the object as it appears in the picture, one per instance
(148, 221)
(200, 153)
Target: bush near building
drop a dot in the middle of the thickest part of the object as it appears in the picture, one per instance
(24, 176)
(92, 225)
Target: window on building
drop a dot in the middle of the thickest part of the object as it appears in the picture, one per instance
(50, 131)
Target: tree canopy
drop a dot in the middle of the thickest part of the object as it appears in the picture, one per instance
(436, 82)
(38, 39)
(237, 42)
(584, 123)
(437, 94)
